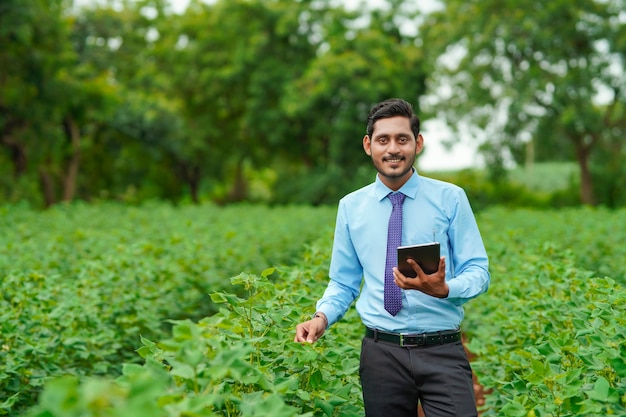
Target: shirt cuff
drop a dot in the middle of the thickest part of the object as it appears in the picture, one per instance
(330, 315)
(455, 288)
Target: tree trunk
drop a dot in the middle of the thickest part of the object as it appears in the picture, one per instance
(530, 156)
(239, 191)
(193, 179)
(72, 132)
(586, 182)
(190, 174)
(47, 187)
(17, 152)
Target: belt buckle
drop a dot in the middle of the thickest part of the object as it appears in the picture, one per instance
(407, 340)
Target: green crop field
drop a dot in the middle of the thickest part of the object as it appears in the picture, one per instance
(111, 310)
(546, 176)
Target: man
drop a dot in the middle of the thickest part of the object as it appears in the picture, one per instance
(414, 354)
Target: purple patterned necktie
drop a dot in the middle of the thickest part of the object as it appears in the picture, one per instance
(393, 293)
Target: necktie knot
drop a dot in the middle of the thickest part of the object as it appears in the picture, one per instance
(396, 198)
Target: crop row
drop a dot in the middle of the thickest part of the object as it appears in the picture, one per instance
(548, 335)
(81, 284)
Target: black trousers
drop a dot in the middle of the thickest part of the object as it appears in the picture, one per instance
(394, 379)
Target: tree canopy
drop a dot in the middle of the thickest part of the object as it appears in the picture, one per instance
(266, 99)
(535, 76)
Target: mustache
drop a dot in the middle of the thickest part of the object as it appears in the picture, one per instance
(385, 158)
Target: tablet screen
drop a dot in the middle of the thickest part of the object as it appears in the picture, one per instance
(426, 255)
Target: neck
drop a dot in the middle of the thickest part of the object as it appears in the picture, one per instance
(395, 183)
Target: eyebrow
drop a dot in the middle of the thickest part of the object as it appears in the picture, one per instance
(386, 135)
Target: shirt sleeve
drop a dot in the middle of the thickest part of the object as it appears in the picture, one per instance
(346, 272)
(470, 264)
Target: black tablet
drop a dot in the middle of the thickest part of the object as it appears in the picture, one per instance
(426, 255)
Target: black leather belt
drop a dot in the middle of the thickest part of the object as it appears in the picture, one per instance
(413, 340)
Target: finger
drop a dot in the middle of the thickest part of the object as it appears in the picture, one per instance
(301, 337)
(301, 333)
(399, 278)
(412, 262)
(403, 281)
(312, 336)
(416, 267)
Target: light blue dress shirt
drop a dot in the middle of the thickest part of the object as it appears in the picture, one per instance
(433, 211)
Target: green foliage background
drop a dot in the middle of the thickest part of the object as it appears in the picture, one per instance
(122, 304)
(225, 100)
(108, 308)
(81, 284)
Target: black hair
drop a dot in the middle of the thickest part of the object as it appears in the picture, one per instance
(391, 108)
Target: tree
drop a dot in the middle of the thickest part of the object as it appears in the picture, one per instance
(229, 63)
(357, 65)
(280, 84)
(49, 97)
(533, 70)
(26, 57)
(141, 144)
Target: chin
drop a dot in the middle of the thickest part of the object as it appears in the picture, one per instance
(394, 173)
(397, 172)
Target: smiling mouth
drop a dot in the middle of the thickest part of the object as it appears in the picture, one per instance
(394, 160)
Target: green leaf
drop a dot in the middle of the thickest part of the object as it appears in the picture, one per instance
(513, 409)
(539, 367)
(600, 390)
(326, 407)
(267, 272)
(271, 405)
(8, 403)
(182, 370)
(317, 379)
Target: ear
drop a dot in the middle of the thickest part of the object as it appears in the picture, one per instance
(419, 144)
(367, 145)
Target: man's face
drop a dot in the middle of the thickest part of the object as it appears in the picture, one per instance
(393, 148)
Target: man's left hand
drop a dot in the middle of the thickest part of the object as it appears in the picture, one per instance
(434, 284)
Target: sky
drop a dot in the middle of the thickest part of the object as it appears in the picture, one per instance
(436, 157)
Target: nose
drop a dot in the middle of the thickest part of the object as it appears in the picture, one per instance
(393, 146)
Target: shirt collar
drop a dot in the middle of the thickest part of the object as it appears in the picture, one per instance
(409, 188)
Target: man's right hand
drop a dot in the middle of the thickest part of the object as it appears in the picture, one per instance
(311, 330)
